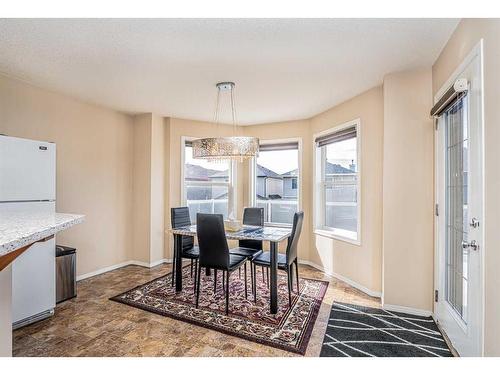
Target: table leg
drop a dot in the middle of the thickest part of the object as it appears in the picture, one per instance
(178, 262)
(274, 277)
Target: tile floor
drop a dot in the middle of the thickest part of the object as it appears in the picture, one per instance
(91, 325)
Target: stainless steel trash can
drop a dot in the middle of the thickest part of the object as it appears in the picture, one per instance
(65, 273)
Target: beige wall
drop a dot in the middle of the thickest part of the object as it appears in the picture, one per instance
(361, 264)
(94, 166)
(167, 237)
(148, 189)
(6, 312)
(142, 188)
(408, 198)
(468, 33)
(157, 188)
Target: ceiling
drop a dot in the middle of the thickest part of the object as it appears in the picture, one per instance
(284, 69)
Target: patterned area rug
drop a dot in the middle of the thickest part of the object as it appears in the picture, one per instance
(358, 331)
(290, 329)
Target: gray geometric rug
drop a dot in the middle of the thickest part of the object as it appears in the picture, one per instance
(359, 331)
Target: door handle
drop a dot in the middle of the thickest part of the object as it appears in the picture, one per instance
(473, 245)
(474, 223)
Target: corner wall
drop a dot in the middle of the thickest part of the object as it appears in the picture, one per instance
(148, 189)
(408, 197)
(141, 199)
(157, 189)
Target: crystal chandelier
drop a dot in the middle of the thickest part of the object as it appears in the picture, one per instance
(225, 148)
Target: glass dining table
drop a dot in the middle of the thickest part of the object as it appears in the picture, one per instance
(274, 235)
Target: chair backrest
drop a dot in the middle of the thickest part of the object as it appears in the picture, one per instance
(293, 240)
(252, 216)
(179, 216)
(214, 252)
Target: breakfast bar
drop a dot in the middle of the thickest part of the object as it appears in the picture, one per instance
(18, 233)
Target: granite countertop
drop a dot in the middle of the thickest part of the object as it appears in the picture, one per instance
(21, 229)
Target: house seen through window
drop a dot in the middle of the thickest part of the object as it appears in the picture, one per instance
(207, 185)
(276, 181)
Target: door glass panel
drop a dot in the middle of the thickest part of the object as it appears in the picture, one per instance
(457, 155)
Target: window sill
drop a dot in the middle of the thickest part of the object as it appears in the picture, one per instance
(278, 225)
(335, 236)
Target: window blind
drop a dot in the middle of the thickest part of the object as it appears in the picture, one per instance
(461, 85)
(338, 136)
(279, 146)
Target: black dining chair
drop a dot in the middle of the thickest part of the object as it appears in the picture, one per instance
(179, 217)
(250, 249)
(214, 251)
(287, 260)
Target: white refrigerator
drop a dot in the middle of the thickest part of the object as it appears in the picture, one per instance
(28, 186)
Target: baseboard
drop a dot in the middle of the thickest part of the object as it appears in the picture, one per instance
(149, 265)
(120, 265)
(407, 310)
(371, 293)
(346, 280)
(102, 270)
(161, 261)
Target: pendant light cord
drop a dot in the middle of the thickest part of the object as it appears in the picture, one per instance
(216, 113)
(218, 108)
(233, 109)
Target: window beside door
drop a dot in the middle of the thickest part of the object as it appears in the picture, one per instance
(276, 177)
(337, 208)
(207, 185)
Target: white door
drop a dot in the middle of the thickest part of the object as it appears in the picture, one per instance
(459, 194)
